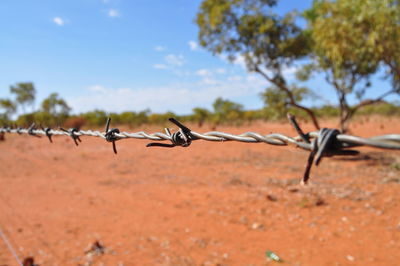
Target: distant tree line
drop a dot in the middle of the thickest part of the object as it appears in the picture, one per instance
(54, 111)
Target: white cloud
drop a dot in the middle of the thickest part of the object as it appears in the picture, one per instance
(203, 72)
(193, 45)
(220, 70)
(113, 13)
(160, 48)
(178, 97)
(175, 60)
(210, 72)
(209, 81)
(160, 66)
(97, 88)
(235, 78)
(59, 21)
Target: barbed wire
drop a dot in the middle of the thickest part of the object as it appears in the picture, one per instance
(323, 143)
(10, 248)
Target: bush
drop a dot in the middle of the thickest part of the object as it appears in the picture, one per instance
(95, 118)
(75, 122)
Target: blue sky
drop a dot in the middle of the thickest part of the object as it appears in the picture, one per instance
(120, 55)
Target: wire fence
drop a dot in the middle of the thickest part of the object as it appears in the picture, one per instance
(323, 143)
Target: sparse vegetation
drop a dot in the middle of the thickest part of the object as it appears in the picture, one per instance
(54, 111)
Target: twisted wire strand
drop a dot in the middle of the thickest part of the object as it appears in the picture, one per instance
(10, 248)
(390, 141)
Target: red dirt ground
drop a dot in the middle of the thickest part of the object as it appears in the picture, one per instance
(209, 204)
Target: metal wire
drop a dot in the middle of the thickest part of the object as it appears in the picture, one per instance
(10, 247)
(391, 141)
(323, 143)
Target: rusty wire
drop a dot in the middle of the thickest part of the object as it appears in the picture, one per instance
(322, 143)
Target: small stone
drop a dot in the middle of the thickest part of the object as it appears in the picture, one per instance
(320, 202)
(256, 226)
(271, 198)
(243, 220)
(350, 258)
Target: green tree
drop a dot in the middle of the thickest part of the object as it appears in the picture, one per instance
(269, 43)
(25, 94)
(8, 108)
(54, 111)
(226, 111)
(350, 40)
(200, 115)
(384, 19)
(95, 118)
(134, 119)
(277, 101)
(55, 105)
(161, 119)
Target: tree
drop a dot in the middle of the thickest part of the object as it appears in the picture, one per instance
(133, 119)
(226, 111)
(161, 119)
(269, 43)
(25, 93)
(349, 42)
(384, 17)
(95, 118)
(9, 108)
(277, 100)
(200, 115)
(54, 111)
(55, 105)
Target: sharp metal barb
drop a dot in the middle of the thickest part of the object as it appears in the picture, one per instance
(108, 124)
(110, 135)
(72, 133)
(31, 130)
(183, 137)
(156, 144)
(293, 122)
(310, 161)
(47, 132)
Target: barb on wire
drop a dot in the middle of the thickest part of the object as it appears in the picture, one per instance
(19, 130)
(110, 134)
(31, 130)
(72, 132)
(293, 122)
(48, 134)
(182, 138)
(323, 143)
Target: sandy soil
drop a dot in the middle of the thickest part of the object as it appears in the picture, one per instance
(209, 204)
